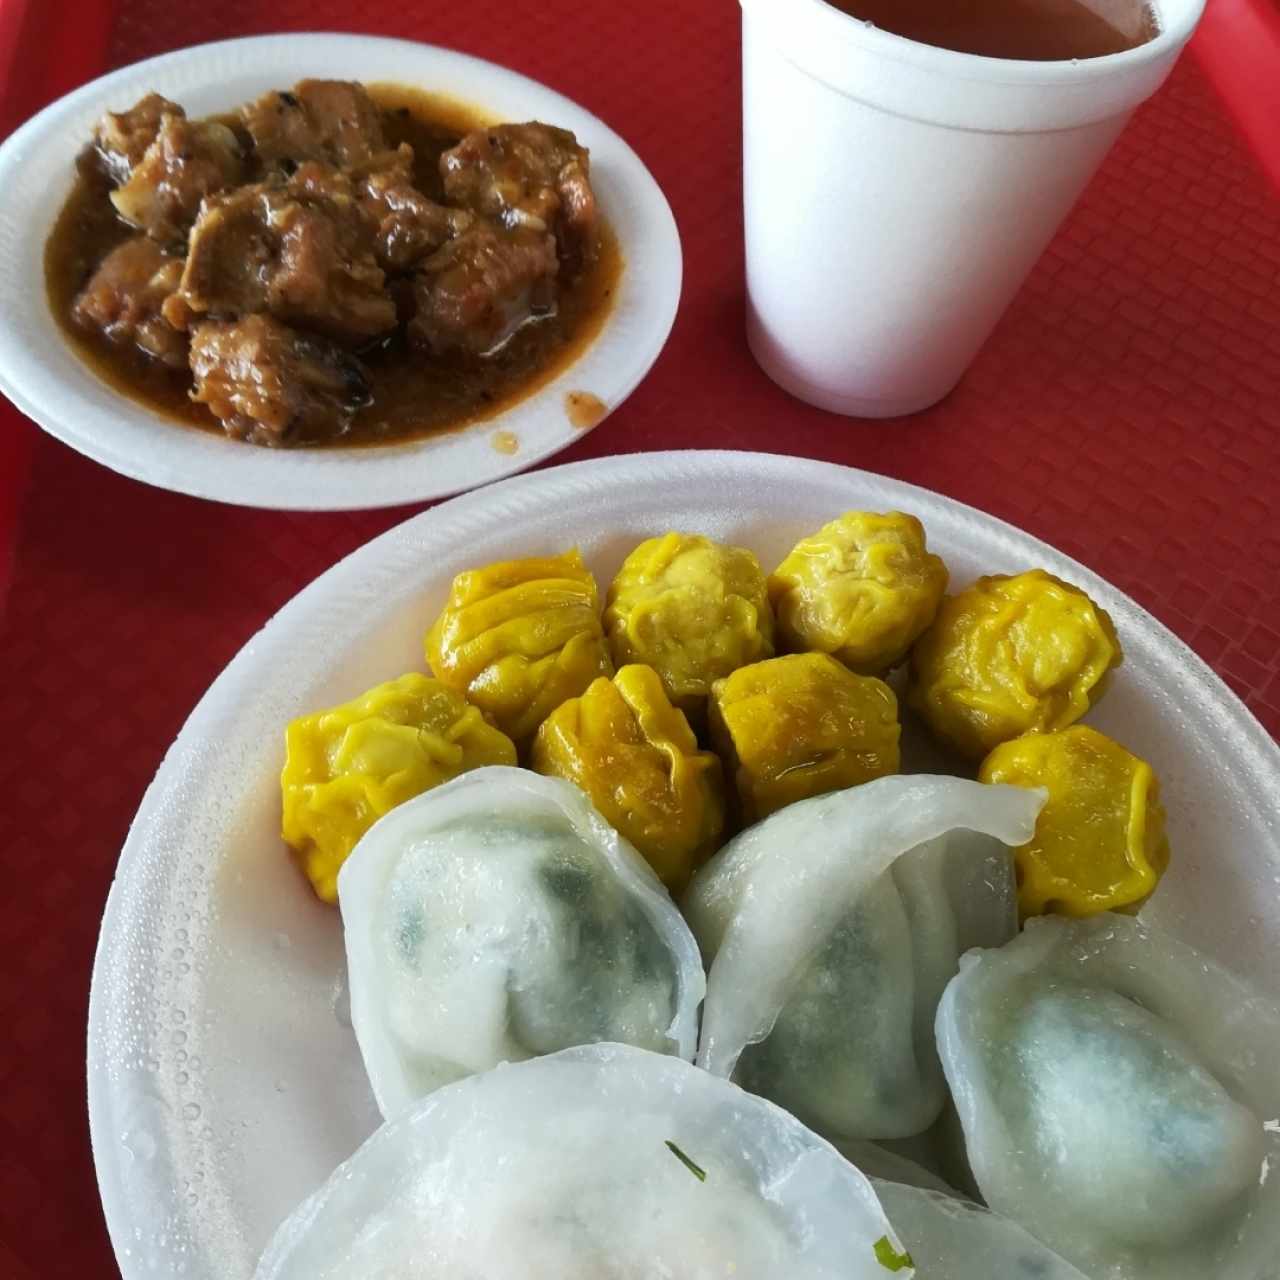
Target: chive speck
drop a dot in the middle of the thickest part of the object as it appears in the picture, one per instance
(697, 1170)
(889, 1257)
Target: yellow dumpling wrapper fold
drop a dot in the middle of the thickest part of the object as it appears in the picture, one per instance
(1100, 841)
(348, 765)
(1010, 655)
(800, 726)
(519, 637)
(692, 609)
(862, 589)
(638, 761)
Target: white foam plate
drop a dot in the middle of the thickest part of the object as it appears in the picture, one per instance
(49, 382)
(224, 1081)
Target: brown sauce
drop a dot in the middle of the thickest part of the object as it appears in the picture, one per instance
(584, 410)
(1036, 30)
(412, 396)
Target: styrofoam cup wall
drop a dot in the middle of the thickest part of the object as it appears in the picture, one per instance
(896, 195)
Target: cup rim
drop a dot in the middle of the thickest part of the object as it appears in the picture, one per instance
(1014, 71)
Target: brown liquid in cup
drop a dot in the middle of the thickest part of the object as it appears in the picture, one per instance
(1038, 30)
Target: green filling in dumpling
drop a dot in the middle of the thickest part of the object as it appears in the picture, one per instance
(1098, 1083)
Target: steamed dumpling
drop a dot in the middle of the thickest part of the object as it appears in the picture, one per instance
(692, 609)
(951, 1239)
(605, 1163)
(801, 725)
(1011, 654)
(1113, 1086)
(1100, 842)
(948, 1236)
(497, 918)
(831, 929)
(862, 588)
(636, 757)
(346, 766)
(518, 637)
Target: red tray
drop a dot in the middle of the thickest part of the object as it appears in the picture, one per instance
(1127, 410)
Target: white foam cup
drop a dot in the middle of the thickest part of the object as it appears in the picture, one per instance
(896, 195)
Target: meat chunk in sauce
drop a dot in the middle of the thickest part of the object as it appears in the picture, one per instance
(476, 291)
(524, 175)
(122, 137)
(300, 250)
(410, 227)
(123, 299)
(186, 161)
(333, 121)
(269, 384)
(406, 225)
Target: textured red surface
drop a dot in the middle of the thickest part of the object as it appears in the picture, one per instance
(1127, 410)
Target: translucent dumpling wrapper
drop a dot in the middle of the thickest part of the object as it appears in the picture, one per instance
(952, 1239)
(1120, 1098)
(881, 1163)
(948, 1235)
(603, 1163)
(498, 918)
(830, 931)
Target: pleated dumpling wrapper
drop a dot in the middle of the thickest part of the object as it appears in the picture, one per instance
(831, 929)
(797, 726)
(862, 588)
(1100, 842)
(1120, 1099)
(601, 1162)
(346, 766)
(692, 609)
(518, 637)
(497, 918)
(1009, 655)
(636, 757)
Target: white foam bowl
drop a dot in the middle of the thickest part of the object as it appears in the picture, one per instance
(42, 374)
(224, 1083)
